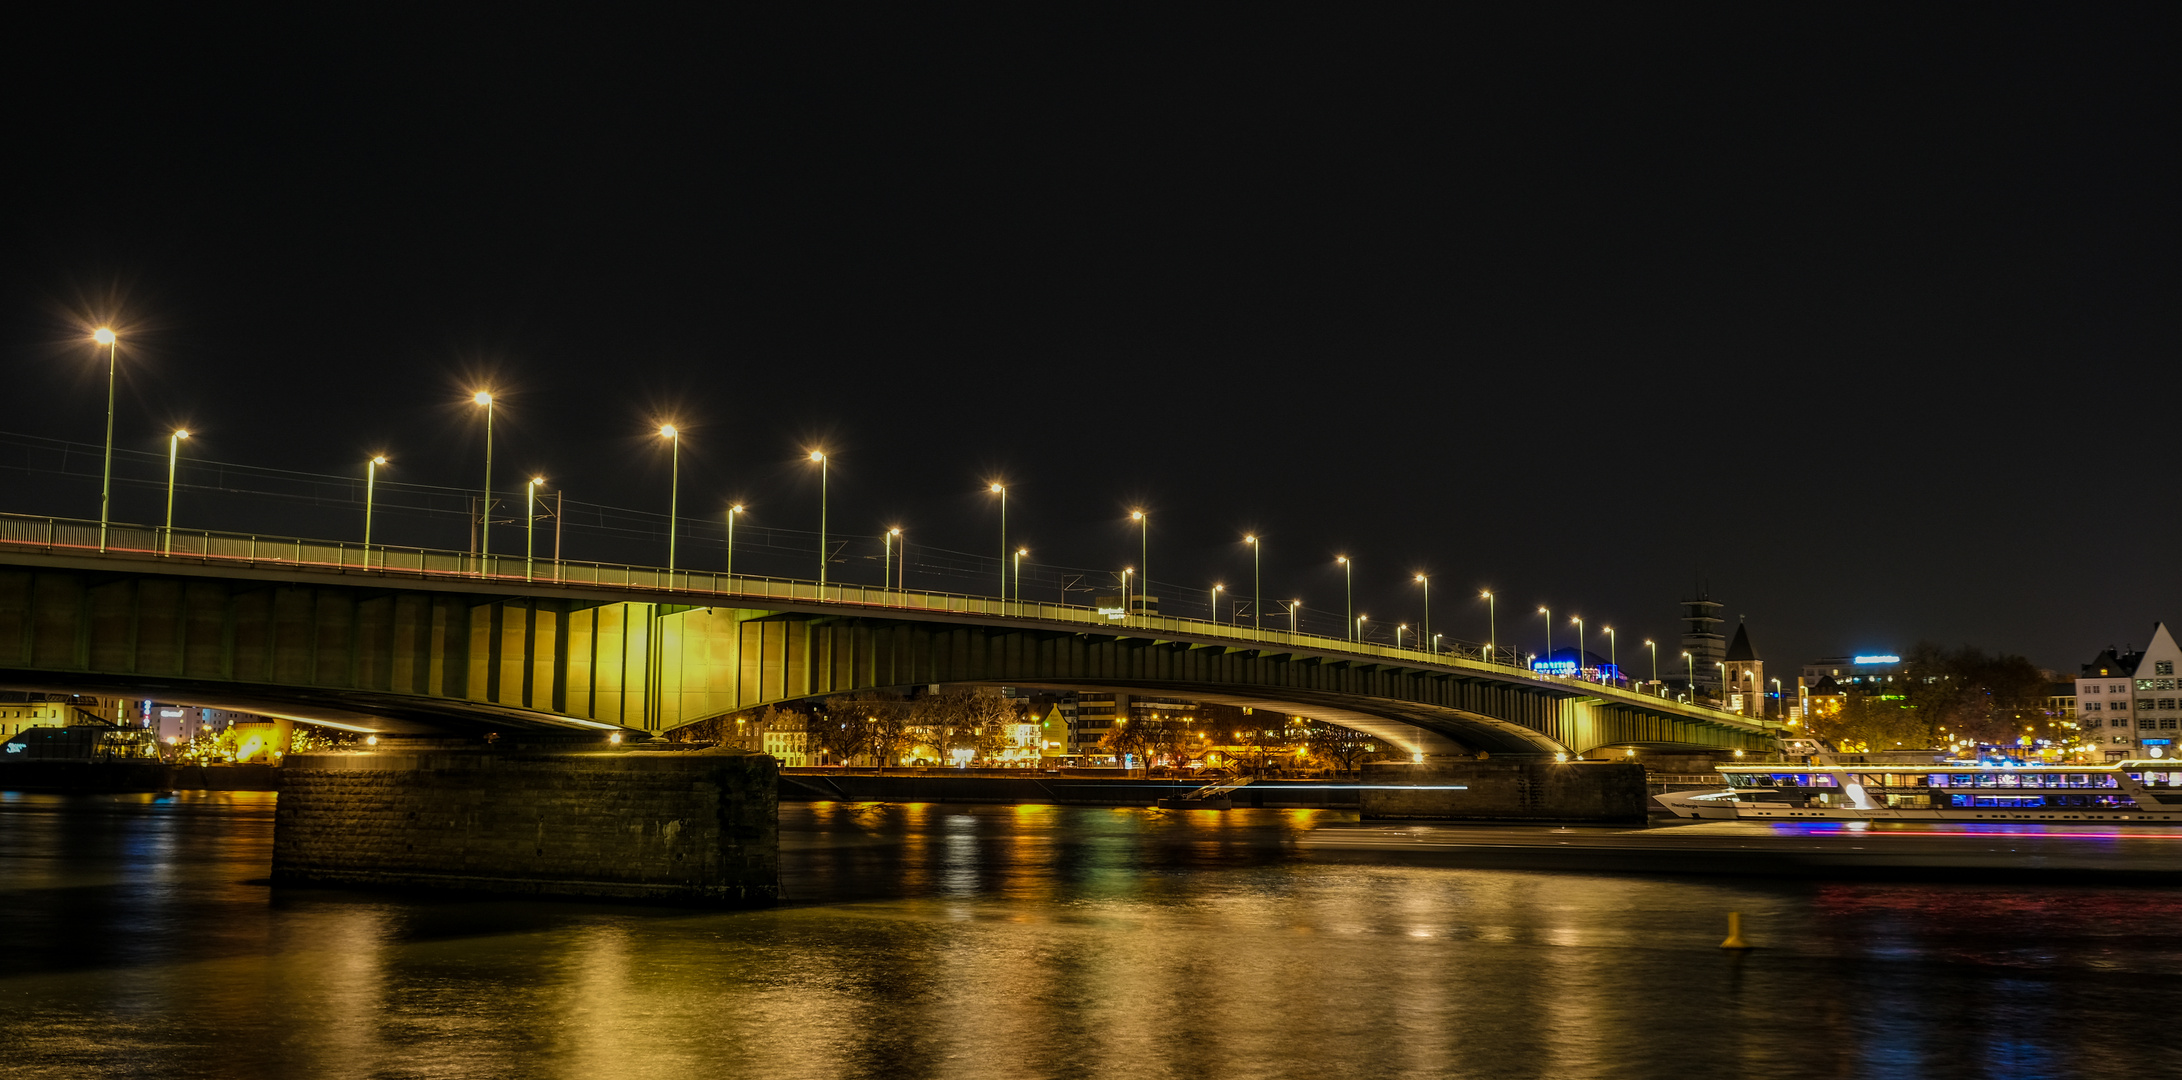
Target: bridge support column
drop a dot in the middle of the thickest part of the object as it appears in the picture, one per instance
(1504, 790)
(694, 826)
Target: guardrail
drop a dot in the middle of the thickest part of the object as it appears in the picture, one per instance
(56, 535)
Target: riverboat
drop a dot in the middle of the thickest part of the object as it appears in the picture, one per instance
(1811, 783)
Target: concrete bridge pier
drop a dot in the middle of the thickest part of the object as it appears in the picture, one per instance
(695, 826)
(1530, 788)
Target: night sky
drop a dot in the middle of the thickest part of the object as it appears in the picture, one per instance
(1865, 315)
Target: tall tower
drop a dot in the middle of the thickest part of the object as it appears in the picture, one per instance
(1745, 673)
(1703, 640)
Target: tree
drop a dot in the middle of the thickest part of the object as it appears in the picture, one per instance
(964, 719)
(842, 735)
(1942, 694)
(1125, 738)
(886, 720)
(1344, 746)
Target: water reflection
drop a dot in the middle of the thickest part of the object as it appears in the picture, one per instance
(954, 941)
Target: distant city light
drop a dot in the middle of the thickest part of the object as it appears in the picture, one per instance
(1876, 659)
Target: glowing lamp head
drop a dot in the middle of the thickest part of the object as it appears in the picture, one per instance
(893, 532)
(1250, 539)
(818, 455)
(181, 433)
(735, 509)
(1420, 577)
(1219, 588)
(103, 336)
(1020, 552)
(1136, 515)
(1543, 611)
(380, 460)
(996, 488)
(482, 397)
(537, 481)
(668, 430)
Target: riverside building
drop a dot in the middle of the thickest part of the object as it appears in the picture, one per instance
(2127, 701)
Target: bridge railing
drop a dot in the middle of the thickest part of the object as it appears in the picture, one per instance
(705, 588)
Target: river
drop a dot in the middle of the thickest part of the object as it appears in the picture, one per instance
(957, 941)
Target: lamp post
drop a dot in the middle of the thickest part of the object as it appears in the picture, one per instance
(1126, 571)
(819, 456)
(105, 336)
(1549, 633)
(1777, 697)
(174, 452)
(1216, 591)
(484, 514)
(886, 561)
(1257, 585)
(901, 560)
(1359, 625)
(1019, 555)
(733, 512)
(1578, 620)
(1144, 579)
(1399, 630)
(1689, 667)
(371, 481)
(1001, 490)
(530, 528)
(1613, 654)
(1348, 585)
(1425, 632)
(674, 495)
(1654, 646)
(1295, 611)
(1435, 643)
(1723, 678)
(1492, 619)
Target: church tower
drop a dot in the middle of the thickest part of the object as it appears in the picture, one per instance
(1745, 675)
(1703, 641)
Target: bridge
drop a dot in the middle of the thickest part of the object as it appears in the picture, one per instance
(402, 640)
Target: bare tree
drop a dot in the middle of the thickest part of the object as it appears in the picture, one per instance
(886, 720)
(1344, 746)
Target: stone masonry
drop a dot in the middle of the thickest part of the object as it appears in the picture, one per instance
(693, 826)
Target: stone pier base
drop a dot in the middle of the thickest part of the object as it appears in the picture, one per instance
(698, 826)
(1505, 790)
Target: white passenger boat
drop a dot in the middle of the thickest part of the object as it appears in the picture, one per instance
(1812, 783)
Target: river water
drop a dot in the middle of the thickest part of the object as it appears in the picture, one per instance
(953, 941)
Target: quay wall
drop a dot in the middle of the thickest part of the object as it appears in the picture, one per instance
(1056, 789)
(697, 826)
(1524, 790)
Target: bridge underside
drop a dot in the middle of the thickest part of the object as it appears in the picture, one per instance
(461, 657)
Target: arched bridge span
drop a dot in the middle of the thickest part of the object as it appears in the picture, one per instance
(394, 648)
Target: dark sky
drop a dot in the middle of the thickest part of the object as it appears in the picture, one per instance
(1865, 314)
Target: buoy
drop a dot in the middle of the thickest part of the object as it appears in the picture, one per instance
(1734, 932)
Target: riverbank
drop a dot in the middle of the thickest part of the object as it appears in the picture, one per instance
(1027, 788)
(2054, 854)
(123, 777)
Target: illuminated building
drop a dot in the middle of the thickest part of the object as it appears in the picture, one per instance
(2127, 701)
(1745, 675)
(1704, 642)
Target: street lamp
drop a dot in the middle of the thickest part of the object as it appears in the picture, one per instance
(1126, 571)
(1216, 591)
(901, 559)
(1777, 697)
(1257, 586)
(1435, 643)
(371, 481)
(1000, 489)
(1359, 625)
(1613, 653)
(174, 451)
(1654, 646)
(1689, 666)
(1492, 619)
(819, 456)
(733, 512)
(1578, 620)
(1399, 630)
(1144, 580)
(1348, 584)
(530, 527)
(484, 531)
(1723, 678)
(1425, 633)
(1020, 553)
(1295, 610)
(674, 496)
(1549, 632)
(108, 338)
